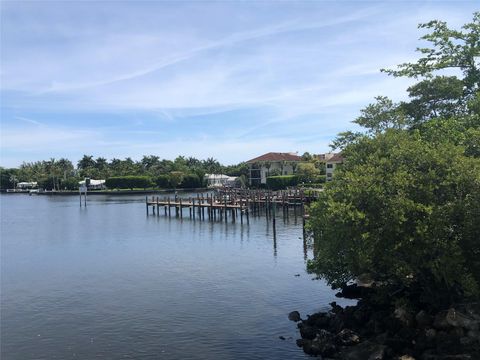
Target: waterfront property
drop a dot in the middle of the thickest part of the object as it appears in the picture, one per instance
(93, 184)
(331, 163)
(27, 185)
(270, 164)
(220, 180)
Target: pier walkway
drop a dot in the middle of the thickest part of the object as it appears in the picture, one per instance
(232, 203)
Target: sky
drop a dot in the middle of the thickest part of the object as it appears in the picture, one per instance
(229, 80)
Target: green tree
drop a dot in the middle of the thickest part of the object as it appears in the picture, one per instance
(403, 206)
(307, 172)
(176, 178)
(402, 209)
(86, 162)
(449, 48)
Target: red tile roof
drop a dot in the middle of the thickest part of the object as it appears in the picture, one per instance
(272, 156)
(336, 158)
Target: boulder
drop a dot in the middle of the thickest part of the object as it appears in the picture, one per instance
(294, 316)
(323, 344)
(440, 322)
(307, 332)
(320, 320)
(404, 316)
(423, 320)
(364, 351)
(457, 319)
(347, 337)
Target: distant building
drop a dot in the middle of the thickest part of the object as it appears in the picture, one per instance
(94, 184)
(281, 163)
(331, 163)
(220, 180)
(324, 157)
(27, 185)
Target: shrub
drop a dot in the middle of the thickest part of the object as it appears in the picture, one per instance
(129, 182)
(191, 181)
(163, 181)
(281, 182)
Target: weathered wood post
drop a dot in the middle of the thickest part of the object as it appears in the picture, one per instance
(190, 207)
(146, 203)
(225, 206)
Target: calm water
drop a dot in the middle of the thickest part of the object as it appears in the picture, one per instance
(109, 282)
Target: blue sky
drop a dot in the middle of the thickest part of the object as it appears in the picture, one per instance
(229, 80)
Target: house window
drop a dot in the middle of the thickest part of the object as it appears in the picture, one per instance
(329, 175)
(329, 166)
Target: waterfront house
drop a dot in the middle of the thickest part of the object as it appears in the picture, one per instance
(27, 185)
(220, 180)
(272, 163)
(93, 184)
(331, 163)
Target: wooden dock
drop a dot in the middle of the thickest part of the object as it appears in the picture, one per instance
(231, 203)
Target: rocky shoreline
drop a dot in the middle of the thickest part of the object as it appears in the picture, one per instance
(369, 331)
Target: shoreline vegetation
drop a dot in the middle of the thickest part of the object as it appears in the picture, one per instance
(402, 217)
(111, 192)
(151, 173)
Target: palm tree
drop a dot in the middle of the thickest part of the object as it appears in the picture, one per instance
(14, 180)
(86, 162)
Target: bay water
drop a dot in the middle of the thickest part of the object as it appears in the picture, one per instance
(106, 281)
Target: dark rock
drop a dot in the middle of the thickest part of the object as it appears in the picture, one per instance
(440, 321)
(457, 319)
(398, 344)
(323, 344)
(361, 315)
(299, 342)
(448, 344)
(474, 335)
(423, 320)
(380, 339)
(297, 275)
(430, 334)
(336, 309)
(407, 333)
(404, 316)
(294, 316)
(347, 337)
(282, 337)
(337, 323)
(364, 351)
(307, 332)
(320, 320)
(457, 332)
(311, 349)
(465, 341)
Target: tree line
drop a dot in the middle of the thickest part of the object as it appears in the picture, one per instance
(61, 174)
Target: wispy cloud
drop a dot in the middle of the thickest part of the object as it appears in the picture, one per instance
(170, 77)
(29, 121)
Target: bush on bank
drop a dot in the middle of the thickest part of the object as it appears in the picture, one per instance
(281, 182)
(129, 182)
